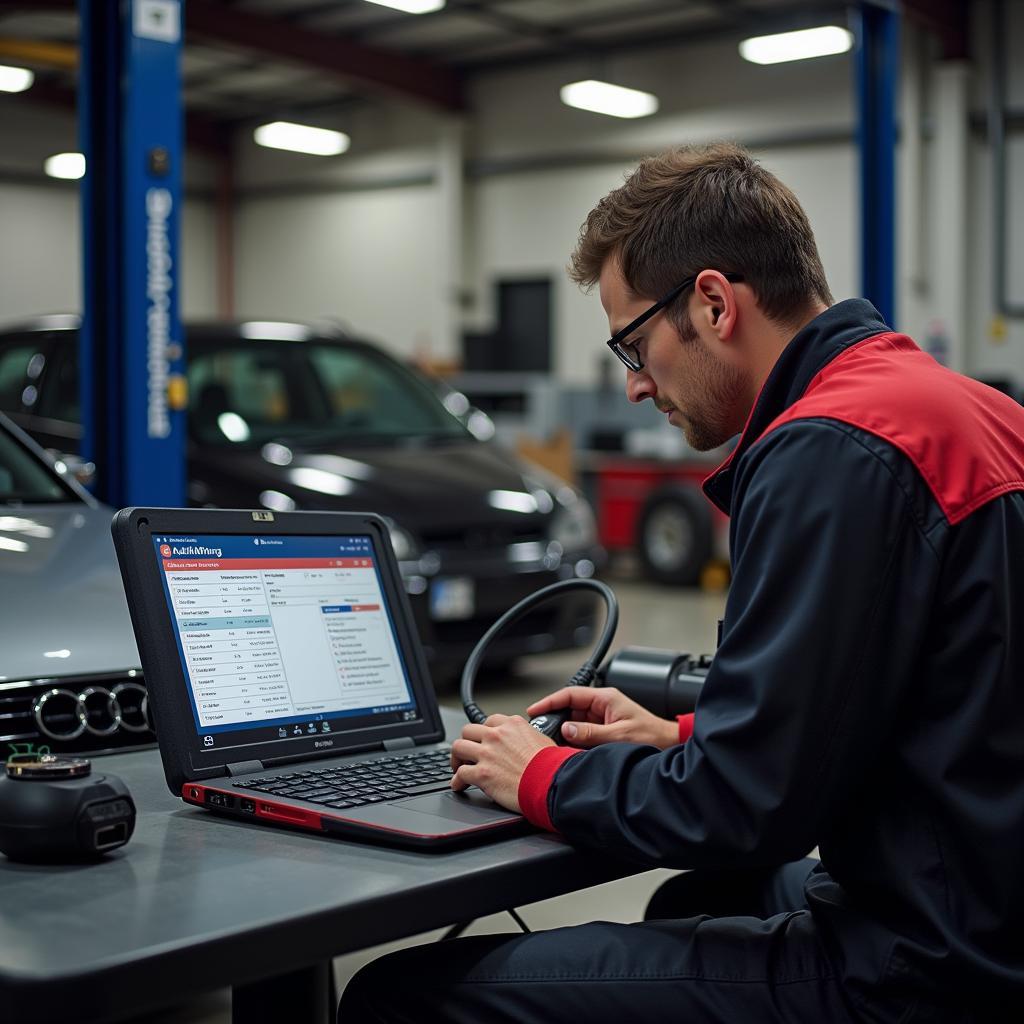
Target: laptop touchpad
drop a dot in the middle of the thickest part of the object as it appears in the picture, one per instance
(470, 808)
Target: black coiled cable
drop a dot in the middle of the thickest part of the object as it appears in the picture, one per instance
(550, 724)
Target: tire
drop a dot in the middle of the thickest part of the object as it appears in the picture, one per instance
(674, 535)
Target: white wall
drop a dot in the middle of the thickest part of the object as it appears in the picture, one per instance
(363, 259)
(39, 251)
(40, 230)
(41, 259)
(198, 259)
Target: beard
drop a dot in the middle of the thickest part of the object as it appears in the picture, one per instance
(716, 392)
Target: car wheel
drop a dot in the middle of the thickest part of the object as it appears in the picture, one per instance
(674, 535)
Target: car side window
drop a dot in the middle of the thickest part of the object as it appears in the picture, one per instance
(20, 364)
(236, 393)
(351, 381)
(370, 395)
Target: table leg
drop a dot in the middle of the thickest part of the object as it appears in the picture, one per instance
(306, 996)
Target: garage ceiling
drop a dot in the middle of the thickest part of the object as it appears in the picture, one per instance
(246, 58)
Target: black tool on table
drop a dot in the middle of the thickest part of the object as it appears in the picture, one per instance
(54, 809)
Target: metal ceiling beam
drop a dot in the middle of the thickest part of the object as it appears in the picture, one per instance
(366, 66)
(781, 19)
(45, 54)
(35, 6)
(555, 39)
(379, 70)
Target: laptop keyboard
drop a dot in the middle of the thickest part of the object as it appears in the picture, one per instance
(362, 782)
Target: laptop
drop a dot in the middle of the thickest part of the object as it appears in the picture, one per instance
(285, 678)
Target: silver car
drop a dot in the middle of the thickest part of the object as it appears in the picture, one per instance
(70, 679)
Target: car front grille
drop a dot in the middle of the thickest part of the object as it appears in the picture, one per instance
(95, 714)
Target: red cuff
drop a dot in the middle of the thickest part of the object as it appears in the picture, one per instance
(685, 726)
(536, 782)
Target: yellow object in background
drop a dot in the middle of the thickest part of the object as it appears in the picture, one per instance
(715, 576)
(997, 330)
(177, 391)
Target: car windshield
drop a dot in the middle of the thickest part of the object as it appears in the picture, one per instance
(251, 392)
(23, 479)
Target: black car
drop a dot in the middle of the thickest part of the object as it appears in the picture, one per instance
(285, 417)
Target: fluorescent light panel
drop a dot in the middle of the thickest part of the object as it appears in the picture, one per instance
(301, 138)
(411, 6)
(605, 98)
(802, 45)
(15, 79)
(69, 166)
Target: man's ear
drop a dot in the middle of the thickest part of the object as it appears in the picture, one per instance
(717, 305)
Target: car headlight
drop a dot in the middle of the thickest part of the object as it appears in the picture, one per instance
(573, 524)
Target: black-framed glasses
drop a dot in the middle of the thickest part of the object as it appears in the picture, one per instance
(626, 350)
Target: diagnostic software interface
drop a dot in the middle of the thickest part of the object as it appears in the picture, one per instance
(283, 636)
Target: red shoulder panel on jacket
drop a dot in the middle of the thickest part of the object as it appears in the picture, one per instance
(966, 439)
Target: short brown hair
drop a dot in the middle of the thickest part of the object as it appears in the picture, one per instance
(699, 207)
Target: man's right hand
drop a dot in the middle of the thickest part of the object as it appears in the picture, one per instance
(605, 715)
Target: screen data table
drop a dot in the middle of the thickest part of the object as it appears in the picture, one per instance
(285, 632)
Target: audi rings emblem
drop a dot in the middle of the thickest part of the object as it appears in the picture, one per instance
(65, 715)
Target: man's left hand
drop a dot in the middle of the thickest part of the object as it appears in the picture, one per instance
(494, 756)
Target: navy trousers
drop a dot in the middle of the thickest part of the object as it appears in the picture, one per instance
(729, 948)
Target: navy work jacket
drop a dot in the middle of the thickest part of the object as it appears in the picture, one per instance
(867, 697)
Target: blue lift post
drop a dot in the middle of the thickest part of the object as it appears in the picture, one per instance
(131, 348)
(877, 69)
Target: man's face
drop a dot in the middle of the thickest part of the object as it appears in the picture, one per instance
(700, 393)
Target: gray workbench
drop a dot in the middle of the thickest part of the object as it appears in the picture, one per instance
(196, 902)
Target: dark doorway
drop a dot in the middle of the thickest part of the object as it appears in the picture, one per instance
(524, 324)
(522, 340)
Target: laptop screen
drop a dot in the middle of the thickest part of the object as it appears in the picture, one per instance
(282, 637)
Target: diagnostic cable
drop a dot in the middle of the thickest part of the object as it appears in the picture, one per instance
(549, 725)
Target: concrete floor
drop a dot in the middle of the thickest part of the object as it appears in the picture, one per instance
(650, 616)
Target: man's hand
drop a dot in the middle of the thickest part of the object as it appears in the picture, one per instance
(604, 715)
(494, 756)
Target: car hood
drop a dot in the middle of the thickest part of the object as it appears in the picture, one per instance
(430, 486)
(62, 606)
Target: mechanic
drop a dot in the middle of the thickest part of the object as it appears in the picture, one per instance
(867, 697)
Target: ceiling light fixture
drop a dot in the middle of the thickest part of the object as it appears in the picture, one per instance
(301, 138)
(802, 45)
(69, 166)
(605, 98)
(411, 6)
(15, 79)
